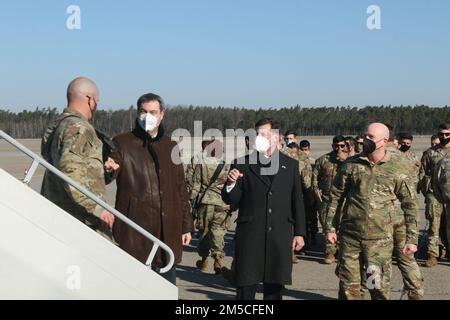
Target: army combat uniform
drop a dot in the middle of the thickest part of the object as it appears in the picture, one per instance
(325, 169)
(72, 146)
(366, 228)
(190, 169)
(410, 270)
(305, 170)
(213, 214)
(441, 187)
(433, 208)
(414, 159)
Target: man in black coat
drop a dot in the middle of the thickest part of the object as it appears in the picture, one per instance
(267, 189)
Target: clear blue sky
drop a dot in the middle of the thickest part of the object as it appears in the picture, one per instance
(232, 53)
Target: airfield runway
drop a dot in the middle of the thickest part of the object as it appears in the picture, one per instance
(311, 279)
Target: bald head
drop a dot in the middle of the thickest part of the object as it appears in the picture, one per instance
(378, 131)
(83, 96)
(81, 88)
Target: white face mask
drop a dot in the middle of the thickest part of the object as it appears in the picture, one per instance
(262, 144)
(148, 122)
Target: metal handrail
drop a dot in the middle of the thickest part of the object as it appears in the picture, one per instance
(37, 160)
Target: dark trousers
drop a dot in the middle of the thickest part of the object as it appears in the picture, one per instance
(271, 292)
(170, 276)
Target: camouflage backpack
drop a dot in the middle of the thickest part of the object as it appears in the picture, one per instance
(441, 179)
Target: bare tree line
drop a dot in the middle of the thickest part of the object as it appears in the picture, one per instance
(306, 121)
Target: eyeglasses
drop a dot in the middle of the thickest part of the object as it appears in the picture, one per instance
(444, 134)
(340, 146)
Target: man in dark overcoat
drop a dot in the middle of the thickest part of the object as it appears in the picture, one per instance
(266, 187)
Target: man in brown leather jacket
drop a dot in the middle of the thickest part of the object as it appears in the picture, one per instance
(151, 188)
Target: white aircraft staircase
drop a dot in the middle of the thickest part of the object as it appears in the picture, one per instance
(47, 254)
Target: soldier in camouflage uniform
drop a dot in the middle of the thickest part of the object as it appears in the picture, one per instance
(190, 168)
(214, 215)
(72, 146)
(325, 169)
(441, 187)
(305, 146)
(304, 165)
(370, 184)
(303, 159)
(405, 142)
(311, 210)
(305, 170)
(410, 270)
(434, 210)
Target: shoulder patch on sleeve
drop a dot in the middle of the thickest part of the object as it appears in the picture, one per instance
(79, 138)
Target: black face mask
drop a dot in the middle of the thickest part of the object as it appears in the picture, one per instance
(404, 148)
(369, 146)
(444, 141)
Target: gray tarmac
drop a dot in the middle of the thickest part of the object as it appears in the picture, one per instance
(312, 280)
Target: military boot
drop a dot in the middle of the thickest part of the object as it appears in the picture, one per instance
(414, 296)
(203, 264)
(218, 265)
(431, 261)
